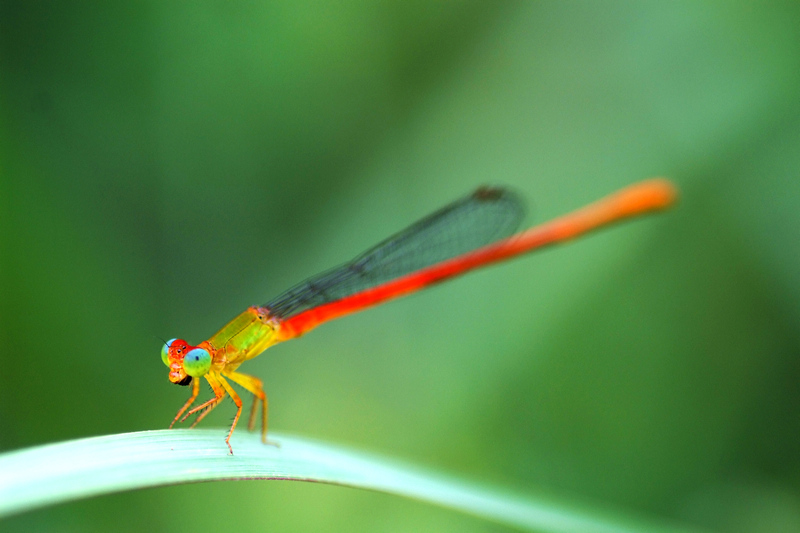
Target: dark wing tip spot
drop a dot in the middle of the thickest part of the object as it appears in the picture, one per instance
(488, 193)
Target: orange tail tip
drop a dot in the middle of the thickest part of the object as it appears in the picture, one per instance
(652, 194)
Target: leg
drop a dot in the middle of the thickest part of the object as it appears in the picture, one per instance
(219, 394)
(238, 402)
(255, 386)
(192, 398)
(251, 422)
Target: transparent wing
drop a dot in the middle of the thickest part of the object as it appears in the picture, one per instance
(483, 217)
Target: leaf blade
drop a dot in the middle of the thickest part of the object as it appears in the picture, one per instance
(61, 472)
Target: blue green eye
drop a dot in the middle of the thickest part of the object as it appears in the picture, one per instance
(165, 351)
(197, 362)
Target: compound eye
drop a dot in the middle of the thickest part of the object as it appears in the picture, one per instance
(165, 351)
(197, 362)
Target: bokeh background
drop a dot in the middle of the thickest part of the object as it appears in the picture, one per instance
(164, 165)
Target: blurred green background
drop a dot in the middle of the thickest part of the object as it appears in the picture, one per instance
(163, 165)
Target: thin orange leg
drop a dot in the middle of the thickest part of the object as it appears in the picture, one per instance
(251, 422)
(256, 387)
(238, 402)
(202, 415)
(192, 398)
(219, 394)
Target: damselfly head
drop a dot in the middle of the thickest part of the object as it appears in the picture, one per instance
(172, 354)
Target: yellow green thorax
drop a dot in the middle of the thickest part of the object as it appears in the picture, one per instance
(243, 338)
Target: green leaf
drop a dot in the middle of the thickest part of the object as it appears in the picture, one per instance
(76, 469)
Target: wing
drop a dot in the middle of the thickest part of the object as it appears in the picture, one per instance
(485, 216)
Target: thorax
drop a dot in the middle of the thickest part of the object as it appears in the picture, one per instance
(243, 338)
